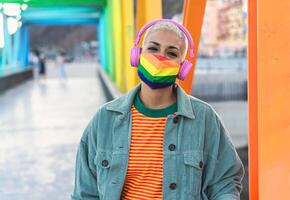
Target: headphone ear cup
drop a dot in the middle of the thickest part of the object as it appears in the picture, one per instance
(135, 56)
(184, 70)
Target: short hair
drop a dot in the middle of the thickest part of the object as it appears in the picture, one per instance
(171, 27)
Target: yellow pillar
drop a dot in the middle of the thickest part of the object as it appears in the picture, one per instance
(128, 38)
(118, 44)
(269, 97)
(147, 10)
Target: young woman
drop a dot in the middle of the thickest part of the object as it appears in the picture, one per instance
(157, 142)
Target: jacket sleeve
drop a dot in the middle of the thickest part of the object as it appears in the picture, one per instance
(86, 182)
(228, 175)
(226, 170)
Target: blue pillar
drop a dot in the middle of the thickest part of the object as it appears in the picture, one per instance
(26, 47)
(16, 49)
(8, 46)
(101, 40)
(6, 49)
(23, 54)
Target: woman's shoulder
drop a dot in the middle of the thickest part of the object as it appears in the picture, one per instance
(104, 110)
(200, 105)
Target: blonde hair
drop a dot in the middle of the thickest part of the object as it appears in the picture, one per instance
(171, 27)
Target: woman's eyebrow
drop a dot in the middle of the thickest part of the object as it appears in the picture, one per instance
(173, 47)
(156, 43)
(170, 47)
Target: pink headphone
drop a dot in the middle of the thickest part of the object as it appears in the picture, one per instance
(136, 51)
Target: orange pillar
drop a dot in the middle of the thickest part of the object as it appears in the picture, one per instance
(269, 97)
(193, 13)
(252, 101)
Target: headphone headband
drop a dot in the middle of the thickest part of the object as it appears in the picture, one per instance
(182, 28)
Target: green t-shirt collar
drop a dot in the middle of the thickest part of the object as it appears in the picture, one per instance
(154, 112)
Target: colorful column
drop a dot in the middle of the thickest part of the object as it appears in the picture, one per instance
(128, 37)
(7, 50)
(101, 36)
(193, 14)
(118, 44)
(252, 102)
(269, 97)
(147, 10)
(25, 46)
(108, 40)
(16, 49)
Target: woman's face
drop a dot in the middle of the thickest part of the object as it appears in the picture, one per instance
(164, 42)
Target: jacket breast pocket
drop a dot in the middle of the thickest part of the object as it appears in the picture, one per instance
(103, 162)
(193, 163)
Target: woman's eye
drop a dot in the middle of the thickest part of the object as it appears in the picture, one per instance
(172, 54)
(152, 49)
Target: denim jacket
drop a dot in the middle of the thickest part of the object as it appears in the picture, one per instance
(204, 164)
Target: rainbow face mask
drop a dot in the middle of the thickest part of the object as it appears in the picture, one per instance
(157, 71)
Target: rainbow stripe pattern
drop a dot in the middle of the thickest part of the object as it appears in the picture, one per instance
(157, 71)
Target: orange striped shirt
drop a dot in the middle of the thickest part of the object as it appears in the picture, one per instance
(145, 166)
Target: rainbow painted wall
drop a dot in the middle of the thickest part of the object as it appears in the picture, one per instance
(114, 21)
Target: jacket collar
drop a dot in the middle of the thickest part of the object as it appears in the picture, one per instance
(124, 103)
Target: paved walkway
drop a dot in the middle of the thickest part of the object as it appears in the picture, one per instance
(41, 123)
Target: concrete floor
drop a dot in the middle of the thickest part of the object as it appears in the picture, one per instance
(41, 122)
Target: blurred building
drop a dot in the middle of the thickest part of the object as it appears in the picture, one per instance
(231, 25)
(209, 39)
(224, 29)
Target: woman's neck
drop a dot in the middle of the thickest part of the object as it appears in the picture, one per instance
(157, 98)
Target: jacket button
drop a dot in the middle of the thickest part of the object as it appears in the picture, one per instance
(172, 186)
(171, 147)
(105, 163)
(175, 119)
(200, 164)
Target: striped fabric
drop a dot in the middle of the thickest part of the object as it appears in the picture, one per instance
(153, 64)
(156, 71)
(145, 167)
